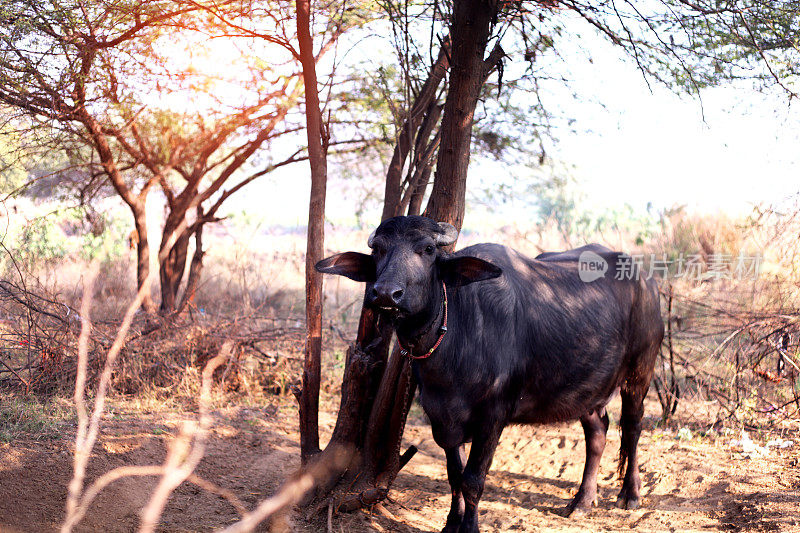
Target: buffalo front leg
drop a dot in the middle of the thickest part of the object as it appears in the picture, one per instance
(595, 426)
(455, 474)
(480, 459)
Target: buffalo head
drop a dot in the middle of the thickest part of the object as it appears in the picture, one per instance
(407, 263)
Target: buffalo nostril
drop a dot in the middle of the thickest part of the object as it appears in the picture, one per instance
(396, 295)
(374, 292)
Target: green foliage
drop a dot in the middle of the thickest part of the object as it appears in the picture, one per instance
(12, 171)
(41, 240)
(246, 223)
(642, 226)
(559, 199)
(32, 418)
(72, 233)
(103, 236)
(370, 100)
(743, 39)
(511, 123)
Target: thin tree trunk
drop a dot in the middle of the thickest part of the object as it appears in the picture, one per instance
(172, 264)
(195, 270)
(309, 396)
(470, 30)
(418, 194)
(394, 175)
(418, 182)
(142, 253)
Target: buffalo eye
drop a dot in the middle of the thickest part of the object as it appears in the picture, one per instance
(430, 249)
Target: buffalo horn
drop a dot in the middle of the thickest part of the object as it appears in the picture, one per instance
(447, 234)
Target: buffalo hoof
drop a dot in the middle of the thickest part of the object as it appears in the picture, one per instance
(454, 520)
(451, 527)
(580, 506)
(577, 512)
(465, 526)
(629, 502)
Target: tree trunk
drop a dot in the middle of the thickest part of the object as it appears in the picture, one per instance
(418, 194)
(172, 263)
(470, 30)
(420, 171)
(195, 269)
(309, 395)
(136, 203)
(419, 110)
(142, 254)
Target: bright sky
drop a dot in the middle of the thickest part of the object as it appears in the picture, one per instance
(220, 67)
(638, 147)
(737, 148)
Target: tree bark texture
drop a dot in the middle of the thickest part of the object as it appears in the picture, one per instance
(142, 253)
(470, 30)
(195, 270)
(309, 395)
(419, 110)
(172, 264)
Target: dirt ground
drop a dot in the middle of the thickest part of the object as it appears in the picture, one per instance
(697, 484)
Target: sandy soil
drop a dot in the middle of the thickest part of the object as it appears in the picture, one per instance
(694, 485)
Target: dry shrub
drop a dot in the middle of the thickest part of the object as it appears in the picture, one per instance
(39, 327)
(39, 350)
(39, 340)
(166, 362)
(733, 343)
(704, 234)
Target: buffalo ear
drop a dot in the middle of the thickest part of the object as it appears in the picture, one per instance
(353, 265)
(458, 271)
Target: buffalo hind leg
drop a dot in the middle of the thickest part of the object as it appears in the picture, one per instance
(595, 426)
(631, 427)
(455, 473)
(480, 459)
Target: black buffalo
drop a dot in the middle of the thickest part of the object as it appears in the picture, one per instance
(527, 341)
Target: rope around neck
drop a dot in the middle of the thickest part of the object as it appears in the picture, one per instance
(442, 330)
